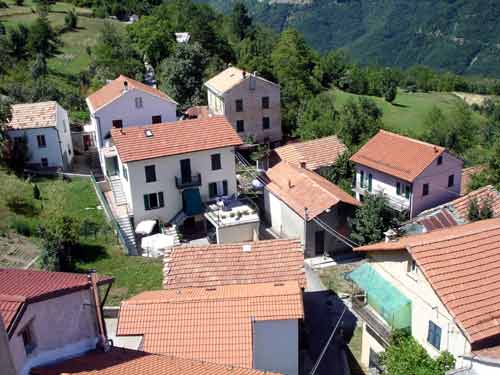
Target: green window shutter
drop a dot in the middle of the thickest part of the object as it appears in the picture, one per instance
(224, 187)
(362, 179)
(147, 207)
(212, 189)
(160, 199)
(398, 188)
(370, 182)
(407, 192)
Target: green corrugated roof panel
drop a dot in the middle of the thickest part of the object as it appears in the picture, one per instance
(386, 299)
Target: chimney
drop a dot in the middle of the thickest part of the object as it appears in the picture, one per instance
(103, 343)
(247, 248)
(125, 86)
(391, 235)
(303, 164)
(290, 185)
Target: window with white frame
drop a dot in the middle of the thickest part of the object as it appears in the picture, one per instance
(154, 201)
(40, 139)
(434, 335)
(217, 189)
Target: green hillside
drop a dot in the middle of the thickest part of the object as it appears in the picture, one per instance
(460, 35)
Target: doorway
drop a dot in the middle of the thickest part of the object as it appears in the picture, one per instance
(186, 171)
(319, 242)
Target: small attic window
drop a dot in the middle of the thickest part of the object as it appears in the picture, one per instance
(148, 133)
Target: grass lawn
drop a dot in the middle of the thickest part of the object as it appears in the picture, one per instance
(98, 251)
(73, 58)
(409, 110)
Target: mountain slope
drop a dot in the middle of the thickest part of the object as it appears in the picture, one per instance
(458, 35)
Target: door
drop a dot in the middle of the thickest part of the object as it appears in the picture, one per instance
(86, 142)
(319, 242)
(186, 171)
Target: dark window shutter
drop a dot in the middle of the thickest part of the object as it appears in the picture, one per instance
(398, 188)
(216, 164)
(224, 187)
(212, 189)
(370, 182)
(160, 199)
(146, 202)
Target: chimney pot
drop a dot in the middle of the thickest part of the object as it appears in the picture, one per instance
(303, 164)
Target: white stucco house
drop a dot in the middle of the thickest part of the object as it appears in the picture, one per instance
(44, 126)
(122, 103)
(301, 204)
(251, 104)
(442, 287)
(168, 170)
(49, 316)
(412, 175)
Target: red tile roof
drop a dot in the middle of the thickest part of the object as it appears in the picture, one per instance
(229, 78)
(115, 89)
(322, 152)
(33, 115)
(396, 155)
(300, 188)
(198, 111)
(215, 265)
(461, 264)
(121, 361)
(467, 174)
(173, 138)
(18, 287)
(208, 324)
(492, 353)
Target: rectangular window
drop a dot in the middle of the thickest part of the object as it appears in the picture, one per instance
(118, 124)
(150, 172)
(41, 141)
(153, 201)
(265, 102)
(266, 123)
(240, 126)
(212, 189)
(440, 160)
(370, 182)
(224, 187)
(156, 119)
(216, 163)
(434, 335)
(28, 339)
(412, 266)
(125, 172)
(362, 179)
(407, 191)
(451, 180)
(239, 105)
(45, 162)
(138, 102)
(425, 189)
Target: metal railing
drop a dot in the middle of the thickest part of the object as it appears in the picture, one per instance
(379, 328)
(111, 218)
(183, 183)
(395, 202)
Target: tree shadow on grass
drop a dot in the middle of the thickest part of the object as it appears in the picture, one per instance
(399, 105)
(87, 253)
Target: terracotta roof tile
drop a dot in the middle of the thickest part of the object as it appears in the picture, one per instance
(467, 174)
(461, 264)
(300, 188)
(488, 353)
(396, 155)
(173, 138)
(209, 324)
(33, 115)
(322, 152)
(215, 265)
(461, 205)
(229, 78)
(24, 286)
(120, 361)
(115, 89)
(198, 111)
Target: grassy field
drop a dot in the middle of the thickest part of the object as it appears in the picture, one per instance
(73, 58)
(98, 251)
(408, 112)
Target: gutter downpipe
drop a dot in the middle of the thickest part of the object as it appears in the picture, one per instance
(103, 340)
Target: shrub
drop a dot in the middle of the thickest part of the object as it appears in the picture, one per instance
(20, 3)
(3, 4)
(21, 203)
(71, 20)
(22, 227)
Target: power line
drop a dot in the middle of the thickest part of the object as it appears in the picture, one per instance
(316, 365)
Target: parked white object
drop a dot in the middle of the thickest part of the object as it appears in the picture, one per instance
(156, 244)
(145, 227)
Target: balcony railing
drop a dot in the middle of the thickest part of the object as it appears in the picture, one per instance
(192, 181)
(378, 328)
(395, 202)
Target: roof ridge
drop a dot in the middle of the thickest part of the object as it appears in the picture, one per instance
(415, 140)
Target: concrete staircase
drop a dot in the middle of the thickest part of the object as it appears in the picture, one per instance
(128, 234)
(172, 231)
(118, 193)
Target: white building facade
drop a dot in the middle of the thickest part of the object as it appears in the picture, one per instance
(45, 128)
(122, 103)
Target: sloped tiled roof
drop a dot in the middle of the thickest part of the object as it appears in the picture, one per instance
(173, 138)
(198, 111)
(461, 263)
(456, 212)
(215, 265)
(229, 78)
(208, 324)
(18, 287)
(321, 152)
(396, 155)
(33, 115)
(120, 361)
(115, 89)
(300, 188)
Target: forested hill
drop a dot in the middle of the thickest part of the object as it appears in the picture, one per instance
(462, 36)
